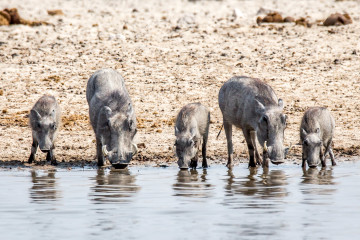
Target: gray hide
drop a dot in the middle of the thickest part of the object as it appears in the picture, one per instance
(316, 131)
(252, 105)
(112, 117)
(191, 131)
(44, 122)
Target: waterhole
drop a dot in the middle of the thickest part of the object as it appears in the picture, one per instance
(166, 203)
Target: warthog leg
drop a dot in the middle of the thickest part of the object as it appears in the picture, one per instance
(99, 153)
(247, 135)
(51, 157)
(303, 160)
(329, 150)
(34, 147)
(322, 157)
(228, 132)
(253, 140)
(203, 151)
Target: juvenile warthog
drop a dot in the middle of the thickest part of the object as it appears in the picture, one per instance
(112, 117)
(44, 121)
(191, 130)
(252, 105)
(317, 130)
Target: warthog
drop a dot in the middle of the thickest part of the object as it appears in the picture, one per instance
(252, 105)
(191, 131)
(44, 121)
(112, 117)
(317, 130)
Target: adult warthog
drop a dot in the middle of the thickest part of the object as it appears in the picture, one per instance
(112, 117)
(252, 105)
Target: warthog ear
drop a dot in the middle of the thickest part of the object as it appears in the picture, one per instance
(176, 131)
(281, 103)
(303, 132)
(35, 114)
(259, 108)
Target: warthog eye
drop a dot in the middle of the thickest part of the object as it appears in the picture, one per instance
(305, 142)
(38, 125)
(53, 126)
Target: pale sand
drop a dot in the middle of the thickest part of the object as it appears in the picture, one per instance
(165, 69)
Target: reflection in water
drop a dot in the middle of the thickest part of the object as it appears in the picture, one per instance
(117, 186)
(192, 184)
(256, 187)
(267, 185)
(315, 177)
(44, 187)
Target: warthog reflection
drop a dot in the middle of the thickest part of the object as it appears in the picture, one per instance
(315, 176)
(44, 187)
(115, 186)
(192, 184)
(270, 184)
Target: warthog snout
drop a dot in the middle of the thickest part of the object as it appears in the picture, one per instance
(117, 158)
(275, 155)
(183, 164)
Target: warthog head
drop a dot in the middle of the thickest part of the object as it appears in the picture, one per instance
(117, 130)
(44, 129)
(270, 131)
(311, 146)
(186, 147)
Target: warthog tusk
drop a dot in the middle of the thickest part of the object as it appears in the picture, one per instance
(105, 151)
(135, 149)
(265, 146)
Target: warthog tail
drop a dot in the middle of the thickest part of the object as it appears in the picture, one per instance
(219, 131)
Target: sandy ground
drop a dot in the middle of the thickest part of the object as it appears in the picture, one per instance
(172, 53)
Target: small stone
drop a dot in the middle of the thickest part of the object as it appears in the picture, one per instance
(55, 12)
(289, 19)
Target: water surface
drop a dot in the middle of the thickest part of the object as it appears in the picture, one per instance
(166, 203)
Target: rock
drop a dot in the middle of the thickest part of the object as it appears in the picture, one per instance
(289, 19)
(259, 20)
(6, 15)
(15, 17)
(273, 17)
(304, 22)
(55, 12)
(3, 20)
(141, 145)
(337, 19)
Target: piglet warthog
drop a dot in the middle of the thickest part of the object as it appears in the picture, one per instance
(44, 121)
(191, 131)
(112, 117)
(252, 105)
(316, 131)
